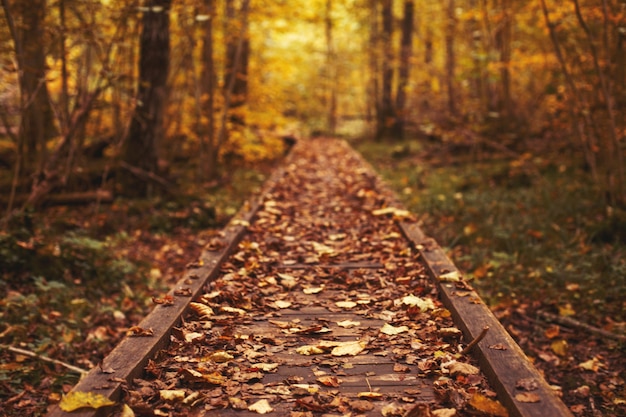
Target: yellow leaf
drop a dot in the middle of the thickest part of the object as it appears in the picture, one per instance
(221, 356)
(172, 394)
(370, 394)
(390, 330)
(78, 399)
(559, 347)
(309, 350)
(566, 310)
(349, 348)
(127, 411)
(593, 365)
(487, 406)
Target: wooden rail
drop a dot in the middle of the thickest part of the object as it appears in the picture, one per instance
(501, 360)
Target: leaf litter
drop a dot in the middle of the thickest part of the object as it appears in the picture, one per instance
(323, 309)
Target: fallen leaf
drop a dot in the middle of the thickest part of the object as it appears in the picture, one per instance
(552, 331)
(220, 356)
(172, 395)
(485, 405)
(423, 304)
(527, 384)
(566, 310)
(228, 309)
(452, 276)
(527, 397)
(346, 304)
(444, 412)
(390, 330)
(237, 403)
(282, 304)
(308, 350)
(78, 399)
(393, 410)
(349, 348)
(137, 331)
(593, 365)
(265, 367)
(261, 407)
(313, 290)
(348, 324)
(559, 347)
(462, 368)
(370, 394)
(166, 301)
(329, 381)
(202, 310)
(361, 406)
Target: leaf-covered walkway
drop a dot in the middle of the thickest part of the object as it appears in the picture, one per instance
(318, 301)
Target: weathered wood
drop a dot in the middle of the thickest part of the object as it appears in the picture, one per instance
(130, 357)
(501, 359)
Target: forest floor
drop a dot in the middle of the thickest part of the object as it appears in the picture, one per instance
(97, 281)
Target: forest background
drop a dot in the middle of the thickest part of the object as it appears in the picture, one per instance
(130, 131)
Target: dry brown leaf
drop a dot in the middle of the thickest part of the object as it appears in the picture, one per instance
(329, 381)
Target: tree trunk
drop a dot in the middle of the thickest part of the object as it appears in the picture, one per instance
(503, 45)
(208, 83)
(386, 116)
(37, 123)
(331, 70)
(403, 73)
(450, 58)
(373, 108)
(146, 129)
(237, 58)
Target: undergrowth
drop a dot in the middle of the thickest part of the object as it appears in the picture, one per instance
(528, 230)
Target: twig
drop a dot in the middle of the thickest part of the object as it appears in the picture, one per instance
(30, 354)
(474, 342)
(576, 324)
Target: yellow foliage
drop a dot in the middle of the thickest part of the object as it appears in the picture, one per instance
(77, 399)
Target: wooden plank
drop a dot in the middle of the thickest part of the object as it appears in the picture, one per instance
(130, 357)
(501, 359)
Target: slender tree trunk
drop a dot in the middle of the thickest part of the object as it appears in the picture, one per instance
(386, 116)
(373, 107)
(208, 147)
(406, 47)
(450, 58)
(331, 70)
(146, 130)
(230, 88)
(237, 58)
(503, 43)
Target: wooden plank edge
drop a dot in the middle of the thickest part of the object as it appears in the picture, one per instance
(501, 359)
(129, 358)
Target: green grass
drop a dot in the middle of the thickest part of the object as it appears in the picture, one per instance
(527, 231)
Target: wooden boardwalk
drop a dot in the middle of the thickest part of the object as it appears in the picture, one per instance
(324, 297)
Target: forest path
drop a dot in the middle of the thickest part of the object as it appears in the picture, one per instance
(324, 298)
